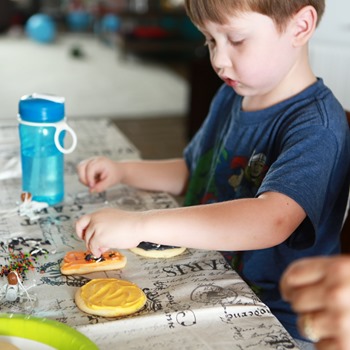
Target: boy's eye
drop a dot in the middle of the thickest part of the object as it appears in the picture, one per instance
(236, 42)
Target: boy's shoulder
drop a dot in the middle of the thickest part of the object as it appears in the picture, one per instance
(316, 104)
(316, 91)
(318, 99)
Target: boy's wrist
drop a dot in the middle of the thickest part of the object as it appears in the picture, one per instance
(148, 226)
(122, 169)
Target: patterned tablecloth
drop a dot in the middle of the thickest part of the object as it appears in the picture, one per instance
(194, 301)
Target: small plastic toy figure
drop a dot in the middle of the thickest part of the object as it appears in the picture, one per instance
(14, 291)
(29, 207)
(12, 288)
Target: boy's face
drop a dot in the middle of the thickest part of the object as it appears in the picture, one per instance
(250, 54)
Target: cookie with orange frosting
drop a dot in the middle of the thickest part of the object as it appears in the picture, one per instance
(110, 297)
(79, 262)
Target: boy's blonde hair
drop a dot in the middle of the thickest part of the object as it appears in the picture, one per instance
(218, 11)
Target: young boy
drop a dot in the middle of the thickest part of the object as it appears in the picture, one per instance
(271, 161)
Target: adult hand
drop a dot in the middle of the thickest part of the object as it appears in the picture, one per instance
(319, 292)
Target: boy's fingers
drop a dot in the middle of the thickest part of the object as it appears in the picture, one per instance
(91, 175)
(81, 225)
(81, 172)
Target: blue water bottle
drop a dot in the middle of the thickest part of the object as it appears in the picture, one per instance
(42, 128)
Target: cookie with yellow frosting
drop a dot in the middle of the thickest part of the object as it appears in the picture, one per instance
(110, 297)
(152, 250)
(78, 262)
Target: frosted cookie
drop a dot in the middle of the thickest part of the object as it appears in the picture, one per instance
(110, 297)
(77, 262)
(152, 250)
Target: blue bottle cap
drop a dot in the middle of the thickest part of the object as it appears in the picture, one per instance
(41, 108)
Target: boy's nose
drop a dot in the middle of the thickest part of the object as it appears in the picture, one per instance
(220, 58)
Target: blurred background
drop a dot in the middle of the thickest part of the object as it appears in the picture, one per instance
(140, 63)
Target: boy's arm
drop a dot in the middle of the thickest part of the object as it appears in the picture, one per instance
(243, 224)
(100, 173)
(159, 175)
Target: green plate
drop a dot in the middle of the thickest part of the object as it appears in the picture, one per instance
(45, 331)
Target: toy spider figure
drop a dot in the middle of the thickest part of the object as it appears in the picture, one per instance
(14, 290)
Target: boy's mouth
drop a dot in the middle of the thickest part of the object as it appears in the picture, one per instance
(230, 82)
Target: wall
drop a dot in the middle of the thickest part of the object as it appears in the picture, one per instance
(330, 49)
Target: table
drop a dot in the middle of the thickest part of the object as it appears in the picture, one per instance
(194, 301)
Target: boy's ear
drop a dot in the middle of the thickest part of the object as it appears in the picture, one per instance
(304, 22)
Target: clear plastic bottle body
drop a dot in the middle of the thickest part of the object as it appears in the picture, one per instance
(42, 163)
(42, 129)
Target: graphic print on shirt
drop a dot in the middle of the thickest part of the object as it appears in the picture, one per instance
(201, 190)
(221, 178)
(247, 174)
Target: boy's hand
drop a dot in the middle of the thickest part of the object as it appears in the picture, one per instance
(98, 173)
(109, 228)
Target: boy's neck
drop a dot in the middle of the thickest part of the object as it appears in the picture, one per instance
(297, 80)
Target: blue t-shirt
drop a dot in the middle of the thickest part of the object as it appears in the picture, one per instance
(299, 147)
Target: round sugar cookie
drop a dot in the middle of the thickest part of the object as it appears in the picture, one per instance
(152, 250)
(78, 262)
(110, 297)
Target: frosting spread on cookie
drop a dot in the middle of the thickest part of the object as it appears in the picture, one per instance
(154, 246)
(111, 293)
(74, 259)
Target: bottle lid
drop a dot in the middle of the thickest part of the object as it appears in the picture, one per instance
(41, 108)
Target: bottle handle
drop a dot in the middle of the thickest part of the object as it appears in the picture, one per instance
(60, 127)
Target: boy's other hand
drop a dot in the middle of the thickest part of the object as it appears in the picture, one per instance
(98, 173)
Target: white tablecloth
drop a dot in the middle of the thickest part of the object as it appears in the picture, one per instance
(194, 301)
